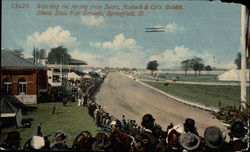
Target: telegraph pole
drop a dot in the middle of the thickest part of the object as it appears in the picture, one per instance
(243, 71)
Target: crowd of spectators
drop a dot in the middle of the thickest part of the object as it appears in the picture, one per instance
(149, 136)
(127, 135)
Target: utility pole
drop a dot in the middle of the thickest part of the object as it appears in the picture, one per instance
(243, 71)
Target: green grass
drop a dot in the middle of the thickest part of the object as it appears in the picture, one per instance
(71, 120)
(204, 94)
(191, 77)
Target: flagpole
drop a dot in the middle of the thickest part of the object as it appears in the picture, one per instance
(243, 59)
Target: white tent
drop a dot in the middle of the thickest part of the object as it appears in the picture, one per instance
(73, 75)
(87, 71)
(98, 71)
(102, 74)
(7, 109)
(232, 75)
(86, 76)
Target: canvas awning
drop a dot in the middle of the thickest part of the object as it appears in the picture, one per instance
(7, 109)
(73, 75)
(86, 76)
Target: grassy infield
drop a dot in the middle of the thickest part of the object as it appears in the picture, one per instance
(70, 119)
(205, 94)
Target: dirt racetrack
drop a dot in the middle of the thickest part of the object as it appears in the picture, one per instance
(121, 95)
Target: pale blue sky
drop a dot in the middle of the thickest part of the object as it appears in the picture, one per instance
(210, 30)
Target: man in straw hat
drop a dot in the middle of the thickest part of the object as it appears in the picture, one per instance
(59, 142)
(189, 141)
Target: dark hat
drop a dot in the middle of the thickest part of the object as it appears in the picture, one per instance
(189, 141)
(189, 124)
(83, 141)
(102, 142)
(237, 129)
(213, 137)
(146, 119)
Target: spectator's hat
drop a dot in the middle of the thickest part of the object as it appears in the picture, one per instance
(37, 142)
(83, 141)
(189, 141)
(113, 122)
(102, 142)
(146, 119)
(237, 129)
(213, 137)
(60, 137)
(189, 124)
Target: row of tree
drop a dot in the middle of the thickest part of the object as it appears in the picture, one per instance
(196, 63)
(57, 55)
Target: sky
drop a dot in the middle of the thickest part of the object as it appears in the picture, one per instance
(210, 30)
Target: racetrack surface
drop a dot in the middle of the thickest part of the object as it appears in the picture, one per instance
(120, 95)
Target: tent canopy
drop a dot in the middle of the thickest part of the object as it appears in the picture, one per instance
(232, 75)
(73, 75)
(86, 76)
(7, 109)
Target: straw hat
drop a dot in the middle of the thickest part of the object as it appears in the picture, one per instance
(37, 142)
(189, 141)
(60, 137)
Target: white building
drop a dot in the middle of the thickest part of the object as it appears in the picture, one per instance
(57, 73)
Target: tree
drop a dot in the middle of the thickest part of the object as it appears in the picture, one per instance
(185, 65)
(59, 55)
(200, 67)
(152, 66)
(196, 64)
(208, 68)
(39, 54)
(237, 61)
(18, 52)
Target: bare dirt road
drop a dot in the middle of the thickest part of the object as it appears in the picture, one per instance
(121, 95)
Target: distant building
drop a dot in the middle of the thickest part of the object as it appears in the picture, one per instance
(58, 73)
(22, 78)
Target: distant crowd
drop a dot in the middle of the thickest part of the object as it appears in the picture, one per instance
(126, 135)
